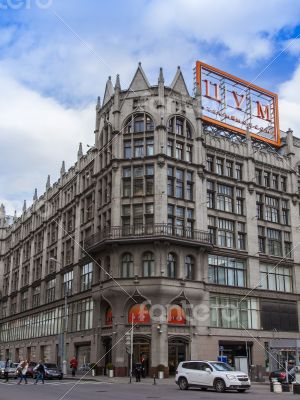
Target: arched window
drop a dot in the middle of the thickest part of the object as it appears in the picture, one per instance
(148, 264)
(127, 266)
(137, 123)
(171, 265)
(189, 267)
(139, 313)
(108, 316)
(176, 315)
(180, 126)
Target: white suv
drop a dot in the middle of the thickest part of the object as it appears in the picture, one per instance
(210, 374)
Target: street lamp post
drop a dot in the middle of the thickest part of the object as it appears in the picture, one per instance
(65, 328)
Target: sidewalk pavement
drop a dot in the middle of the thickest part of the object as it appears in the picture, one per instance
(149, 381)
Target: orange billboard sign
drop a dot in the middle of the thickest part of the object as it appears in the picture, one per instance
(237, 105)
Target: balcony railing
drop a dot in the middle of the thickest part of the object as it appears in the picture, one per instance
(148, 231)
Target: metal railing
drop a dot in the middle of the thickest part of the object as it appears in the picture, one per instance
(155, 230)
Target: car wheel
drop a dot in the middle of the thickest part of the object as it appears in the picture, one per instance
(241, 390)
(183, 384)
(220, 386)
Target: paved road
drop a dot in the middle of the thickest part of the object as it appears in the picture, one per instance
(66, 390)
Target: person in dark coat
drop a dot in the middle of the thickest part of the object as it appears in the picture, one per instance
(138, 372)
(40, 373)
(6, 369)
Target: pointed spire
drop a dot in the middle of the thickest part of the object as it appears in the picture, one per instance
(48, 184)
(63, 168)
(98, 104)
(15, 215)
(139, 81)
(2, 211)
(108, 91)
(178, 84)
(35, 196)
(161, 76)
(118, 83)
(80, 152)
(24, 206)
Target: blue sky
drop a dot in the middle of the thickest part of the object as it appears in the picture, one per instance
(50, 78)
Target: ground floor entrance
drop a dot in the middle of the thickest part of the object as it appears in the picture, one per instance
(177, 352)
(83, 354)
(141, 354)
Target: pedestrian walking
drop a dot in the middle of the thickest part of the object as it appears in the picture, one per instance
(73, 365)
(23, 369)
(6, 369)
(40, 373)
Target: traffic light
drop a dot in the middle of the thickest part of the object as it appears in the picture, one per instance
(128, 342)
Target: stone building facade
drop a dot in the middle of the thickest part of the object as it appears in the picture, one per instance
(190, 231)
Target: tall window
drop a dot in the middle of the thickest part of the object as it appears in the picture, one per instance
(273, 277)
(170, 148)
(219, 166)
(189, 185)
(179, 151)
(210, 163)
(24, 300)
(272, 209)
(127, 266)
(285, 211)
(127, 149)
(274, 242)
(189, 151)
(226, 271)
(149, 146)
(179, 184)
(239, 201)
(238, 171)
(189, 267)
(50, 290)
(229, 168)
(225, 198)
(67, 283)
(36, 296)
(171, 265)
(225, 233)
(86, 277)
(138, 148)
(148, 264)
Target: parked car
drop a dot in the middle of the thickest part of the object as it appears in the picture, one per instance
(12, 371)
(31, 366)
(51, 371)
(210, 374)
(280, 375)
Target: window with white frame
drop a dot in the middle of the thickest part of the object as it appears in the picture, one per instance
(234, 312)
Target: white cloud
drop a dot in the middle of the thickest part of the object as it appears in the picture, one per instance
(289, 103)
(36, 134)
(244, 27)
